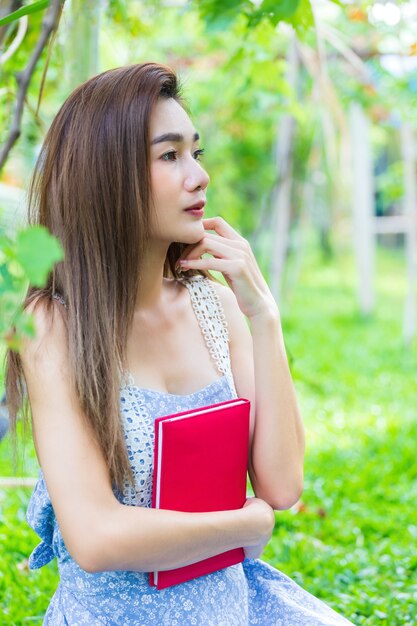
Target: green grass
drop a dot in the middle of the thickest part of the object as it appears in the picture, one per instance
(351, 543)
(352, 539)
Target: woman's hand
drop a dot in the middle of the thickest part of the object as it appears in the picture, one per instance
(263, 518)
(233, 257)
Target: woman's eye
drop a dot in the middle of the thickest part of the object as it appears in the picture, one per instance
(198, 154)
(167, 155)
(173, 154)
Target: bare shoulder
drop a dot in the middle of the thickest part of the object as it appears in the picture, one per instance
(50, 340)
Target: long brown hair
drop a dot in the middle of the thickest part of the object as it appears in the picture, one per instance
(91, 189)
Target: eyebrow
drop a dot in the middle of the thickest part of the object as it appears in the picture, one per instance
(175, 137)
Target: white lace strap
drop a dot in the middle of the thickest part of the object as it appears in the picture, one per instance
(212, 320)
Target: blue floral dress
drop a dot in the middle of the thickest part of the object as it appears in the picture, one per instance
(251, 592)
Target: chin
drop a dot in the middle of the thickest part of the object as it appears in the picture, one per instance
(192, 235)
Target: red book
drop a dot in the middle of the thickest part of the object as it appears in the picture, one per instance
(200, 465)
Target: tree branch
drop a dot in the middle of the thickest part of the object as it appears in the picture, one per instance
(23, 78)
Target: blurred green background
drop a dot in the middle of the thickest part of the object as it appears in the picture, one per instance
(307, 116)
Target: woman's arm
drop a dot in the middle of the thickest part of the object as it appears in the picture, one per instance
(259, 364)
(99, 532)
(261, 374)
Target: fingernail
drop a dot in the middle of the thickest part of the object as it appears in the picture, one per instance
(183, 263)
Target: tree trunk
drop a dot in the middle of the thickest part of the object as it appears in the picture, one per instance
(82, 42)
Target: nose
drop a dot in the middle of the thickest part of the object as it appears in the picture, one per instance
(196, 177)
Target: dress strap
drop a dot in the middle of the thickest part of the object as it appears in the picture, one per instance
(212, 320)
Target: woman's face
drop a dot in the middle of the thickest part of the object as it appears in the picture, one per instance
(178, 181)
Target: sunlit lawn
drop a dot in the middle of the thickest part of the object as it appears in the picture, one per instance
(351, 540)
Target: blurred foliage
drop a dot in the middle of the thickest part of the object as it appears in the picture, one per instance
(220, 14)
(391, 183)
(232, 57)
(29, 257)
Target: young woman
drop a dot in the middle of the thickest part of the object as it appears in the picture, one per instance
(130, 327)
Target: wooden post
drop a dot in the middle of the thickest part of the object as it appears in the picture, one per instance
(410, 212)
(363, 207)
(281, 197)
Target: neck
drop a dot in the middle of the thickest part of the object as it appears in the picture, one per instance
(151, 282)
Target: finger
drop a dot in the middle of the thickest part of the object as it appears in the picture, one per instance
(192, 246)
(207, 237)
(240, 243)
(215, 246)
(229, 267)
(221, 227)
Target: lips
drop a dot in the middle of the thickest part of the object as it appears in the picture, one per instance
(198, 206)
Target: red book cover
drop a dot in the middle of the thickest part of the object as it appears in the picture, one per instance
(200, 465)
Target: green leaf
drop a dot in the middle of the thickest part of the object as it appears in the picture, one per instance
(6, 280)
(219, 15)
(275, 11)
(31, 8)
(281, 9)
(37, 251)
(302, 19)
